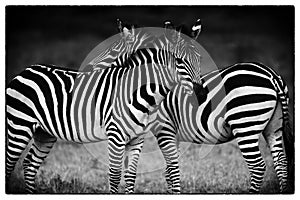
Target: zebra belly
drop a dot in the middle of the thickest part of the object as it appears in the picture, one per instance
(96, 135)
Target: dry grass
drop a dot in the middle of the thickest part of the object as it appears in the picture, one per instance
(70, 168)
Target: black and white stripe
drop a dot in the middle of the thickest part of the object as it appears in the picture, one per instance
(46, 102)
(239, 102)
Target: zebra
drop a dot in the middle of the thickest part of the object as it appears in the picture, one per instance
(131, 43)
(176, 118)
(130, 39)
(238, 102)
(47, 102)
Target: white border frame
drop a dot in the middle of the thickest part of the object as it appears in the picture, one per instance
(141, 2)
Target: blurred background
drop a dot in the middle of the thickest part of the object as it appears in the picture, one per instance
(230, 34)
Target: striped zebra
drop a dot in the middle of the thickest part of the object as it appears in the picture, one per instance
(238, 102)
(45, 102)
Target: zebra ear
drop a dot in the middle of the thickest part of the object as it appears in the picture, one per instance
(179, 29)
(132, 30)
(176, 36)
(196, 29)
(127, 32)
(168, 25)
(170, 32)
(119, 24)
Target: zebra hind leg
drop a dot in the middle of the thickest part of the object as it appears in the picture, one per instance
(169, 181)
(40, 148)
(273, 135)
(134, 149)
(249, 146)
(18, 137)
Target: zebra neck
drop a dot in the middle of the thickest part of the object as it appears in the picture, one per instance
(138, 94)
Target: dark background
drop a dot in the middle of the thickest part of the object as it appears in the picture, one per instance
(230, 34)
(64, 35)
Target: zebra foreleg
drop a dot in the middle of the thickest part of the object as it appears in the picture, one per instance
(167, 143)
(116, 149)
(134, 149)
(248, 144)
(39, 150)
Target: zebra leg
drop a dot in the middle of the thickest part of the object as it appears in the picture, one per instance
(280, 162)
(116, 149)
(18, 137)
(249, 146)
(169, 181)
(273, 135)
(134, 149)
(168, 146)
(40, 148)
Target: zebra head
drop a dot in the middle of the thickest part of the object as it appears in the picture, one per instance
(119, 47)
(133, 38)
(187, 55)
(182, 48)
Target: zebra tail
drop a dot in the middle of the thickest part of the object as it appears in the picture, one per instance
(288, 137)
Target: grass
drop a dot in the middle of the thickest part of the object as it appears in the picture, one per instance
(70, 168)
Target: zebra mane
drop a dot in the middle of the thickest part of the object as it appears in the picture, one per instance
(132, 40)
(122, 50)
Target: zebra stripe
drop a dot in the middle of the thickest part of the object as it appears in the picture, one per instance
(242, 102)
(90, 106)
